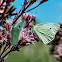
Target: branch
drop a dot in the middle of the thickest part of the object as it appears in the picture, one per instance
(6, 54)
(20, 14)
(28, 10)
(37, 5)
(3, 50)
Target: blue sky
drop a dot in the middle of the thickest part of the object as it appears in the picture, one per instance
(50, 11)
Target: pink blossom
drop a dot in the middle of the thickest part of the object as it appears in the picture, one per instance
(4, 3)
(33, 16)
(1, 1)
(22, 7)
(11, 21)
(27, 35)
(27, 43)
(1, 11)
(23, 40)
(26, 15)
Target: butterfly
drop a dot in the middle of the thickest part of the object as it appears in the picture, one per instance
(47, 31)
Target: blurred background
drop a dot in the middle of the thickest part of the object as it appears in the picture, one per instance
(31, 53)
(50, 11)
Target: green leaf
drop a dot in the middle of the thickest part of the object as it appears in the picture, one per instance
(19, 24)
(15, 33)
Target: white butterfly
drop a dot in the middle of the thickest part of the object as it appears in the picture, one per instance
(46, 32)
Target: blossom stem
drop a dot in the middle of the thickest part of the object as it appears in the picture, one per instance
(7, 53)
(3, 50)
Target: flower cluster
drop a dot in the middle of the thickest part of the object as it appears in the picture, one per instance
(27, 36)
(6, 10)
(28, 18)
(5, 35)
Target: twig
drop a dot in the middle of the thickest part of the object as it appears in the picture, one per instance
(20, 14)
(36, 6)
(3, 50)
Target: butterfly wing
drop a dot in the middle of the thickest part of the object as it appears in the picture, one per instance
(19, 24)
(53, 26)
(45, 33)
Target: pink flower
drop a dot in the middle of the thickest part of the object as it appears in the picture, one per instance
(33, 16)
(1, 1)
(25, 16)
(11, 21)
(27, 43)
(4, 4)
(27, 35)
(1, 11)
(22, 7)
